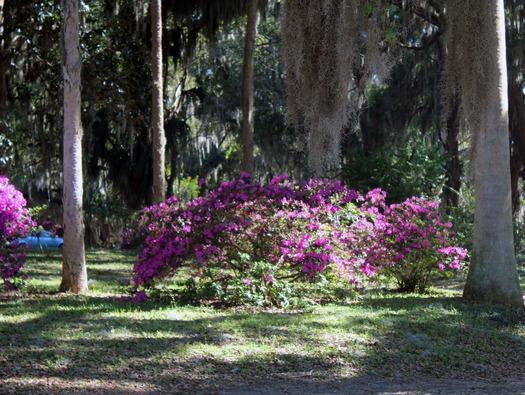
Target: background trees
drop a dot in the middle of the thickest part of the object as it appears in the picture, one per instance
(399, 141)
(202, 96)
(476, 76)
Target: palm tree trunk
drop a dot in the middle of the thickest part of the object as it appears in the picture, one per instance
(453, 185)
(159, 138)
(4, 167)
(492, 275)
(74, 273)
(247, 89)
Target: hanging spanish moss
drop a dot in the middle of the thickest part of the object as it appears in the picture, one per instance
(331, 48)
(194, 17)
(465, 77)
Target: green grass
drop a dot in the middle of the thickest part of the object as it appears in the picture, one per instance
(52, 342)
(107, 269)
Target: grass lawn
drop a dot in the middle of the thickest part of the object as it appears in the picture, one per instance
(63, 343)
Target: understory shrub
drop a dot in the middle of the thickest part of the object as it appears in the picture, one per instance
(413, 169)
(250, 242)
(406, 241)
(14, 223)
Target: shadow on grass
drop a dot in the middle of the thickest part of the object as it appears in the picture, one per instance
(102, 345)
(107, 270)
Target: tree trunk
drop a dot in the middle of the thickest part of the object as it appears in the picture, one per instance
(492, 275)
(247, 89)
(4, 167)
(74, 273)
(159, 138)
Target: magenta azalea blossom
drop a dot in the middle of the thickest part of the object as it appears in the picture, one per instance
(14, 223)
(298, 230)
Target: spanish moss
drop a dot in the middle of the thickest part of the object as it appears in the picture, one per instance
(331, 48)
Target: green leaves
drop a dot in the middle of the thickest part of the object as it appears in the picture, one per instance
(411, 170)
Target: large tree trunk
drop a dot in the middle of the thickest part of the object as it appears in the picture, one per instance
(247, 89)
(74, 274)
(492, 275)
(159, 138)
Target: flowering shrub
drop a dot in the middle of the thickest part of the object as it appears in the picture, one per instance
(253, 240)
(282, 224)
(52, 227)
(128, 239)
(14, 222)
(408, 241)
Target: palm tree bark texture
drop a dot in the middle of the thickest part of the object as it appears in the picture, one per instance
(247, 89)
(159, 138)
(478, 45)
(74, 273)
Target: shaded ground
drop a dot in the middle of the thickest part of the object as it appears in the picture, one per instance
(369, 385)
(98, 350)
(374, 385)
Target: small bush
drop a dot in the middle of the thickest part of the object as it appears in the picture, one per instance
(408, 242)
(14, 223)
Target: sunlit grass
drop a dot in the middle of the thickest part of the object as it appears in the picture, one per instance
(107, 270)
(83, 341)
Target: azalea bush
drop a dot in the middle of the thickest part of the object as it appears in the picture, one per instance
(249, 241)
(14, 222)
(222, 235)
(408, 241)
(52, 226)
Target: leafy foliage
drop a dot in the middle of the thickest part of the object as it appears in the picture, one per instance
(412, 170)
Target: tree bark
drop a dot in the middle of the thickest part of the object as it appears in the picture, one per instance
(247, 89)
(4, 167)
(74, 273)
(159, 137)
(3, 57)
(492, 275)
